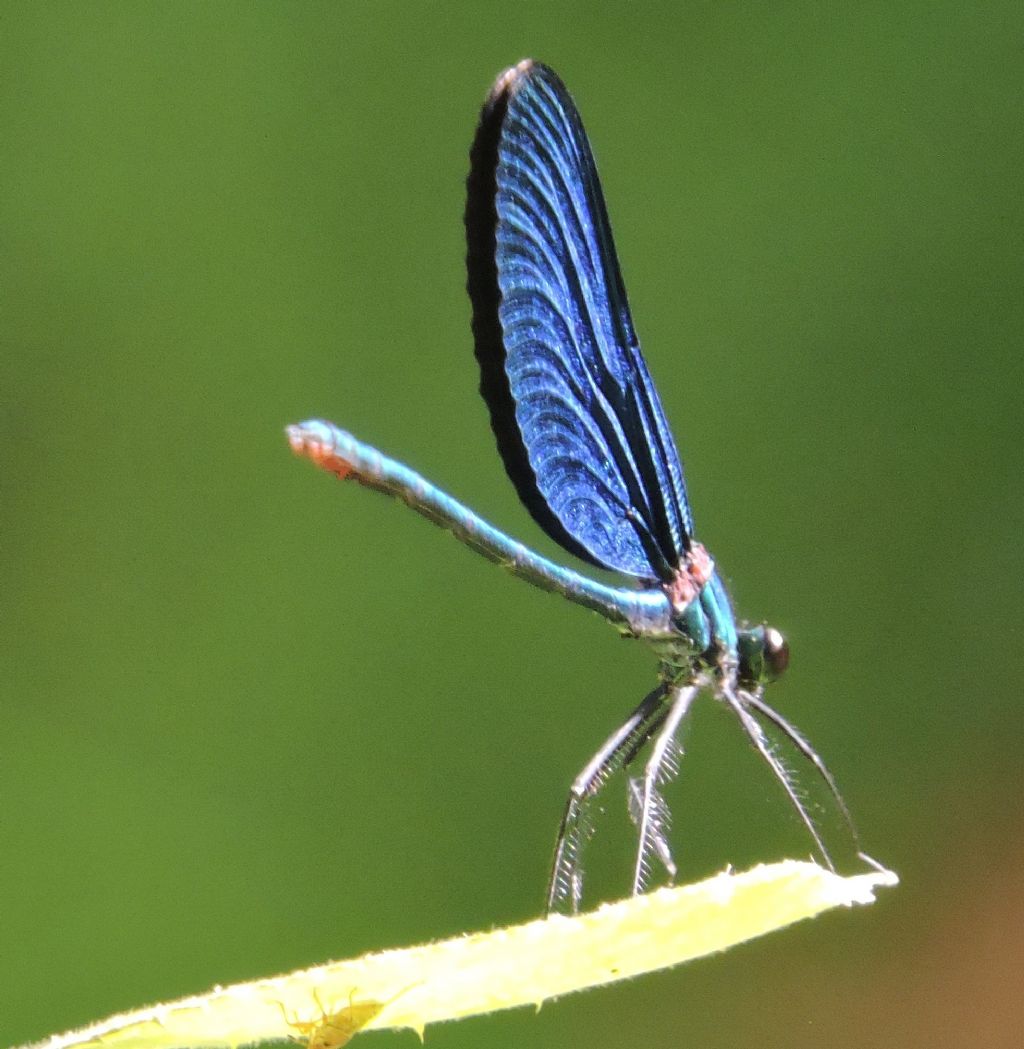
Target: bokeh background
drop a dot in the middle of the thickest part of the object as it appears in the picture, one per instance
(251, 719)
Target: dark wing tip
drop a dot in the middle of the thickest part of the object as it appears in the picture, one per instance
(481, 218)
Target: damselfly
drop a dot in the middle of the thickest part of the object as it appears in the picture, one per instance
(583, 437)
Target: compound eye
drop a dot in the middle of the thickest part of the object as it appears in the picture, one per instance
(776, 653)
(763, 655)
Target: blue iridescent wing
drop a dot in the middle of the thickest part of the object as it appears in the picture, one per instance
(575, 413)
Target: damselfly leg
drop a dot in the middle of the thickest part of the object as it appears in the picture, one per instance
(739, 701)
(647, 807)
(566, 885)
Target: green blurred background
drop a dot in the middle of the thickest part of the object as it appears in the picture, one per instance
(251, 719)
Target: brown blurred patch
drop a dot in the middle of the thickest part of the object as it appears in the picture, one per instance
(964, 986)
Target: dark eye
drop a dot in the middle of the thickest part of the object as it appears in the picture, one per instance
(776, 653)
(764, 655)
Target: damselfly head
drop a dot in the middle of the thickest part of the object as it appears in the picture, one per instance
(764, 655)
